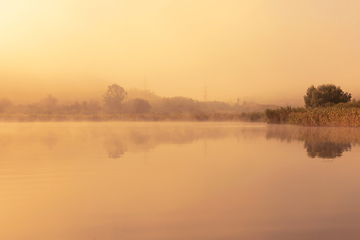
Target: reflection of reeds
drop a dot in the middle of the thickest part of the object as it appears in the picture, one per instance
(198, 117)
(322, 142)
(323, 134)
(331, 117)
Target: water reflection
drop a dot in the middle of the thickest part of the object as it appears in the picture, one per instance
(327, 143)
(115, 147)
(144, 137)
(116, 139)
(198, 181)
(328, 150)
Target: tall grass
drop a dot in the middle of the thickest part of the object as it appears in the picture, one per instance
(281, 115)
(335, 116)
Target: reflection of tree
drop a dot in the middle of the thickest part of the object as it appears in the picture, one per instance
(49, 140)
(144, 137)
(321, 142)
(115, 147)
(327, 150)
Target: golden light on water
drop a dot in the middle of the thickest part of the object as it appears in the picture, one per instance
(77, 165)
(175, 181)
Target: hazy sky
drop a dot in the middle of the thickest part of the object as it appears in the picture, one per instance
(267, 51)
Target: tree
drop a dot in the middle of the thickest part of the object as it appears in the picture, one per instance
(114, 97)
(47, 105)
(5, 104)
(141, 105)
(325, 95)
(49, 102)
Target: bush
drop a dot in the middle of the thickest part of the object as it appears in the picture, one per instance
(326, 95)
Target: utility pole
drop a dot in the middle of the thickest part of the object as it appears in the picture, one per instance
(205, 93)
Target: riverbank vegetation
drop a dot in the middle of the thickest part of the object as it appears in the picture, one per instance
(134, 105)
(336, 116)
(326, 105)
(155, 117)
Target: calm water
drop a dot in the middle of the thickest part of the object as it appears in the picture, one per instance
(163, 181)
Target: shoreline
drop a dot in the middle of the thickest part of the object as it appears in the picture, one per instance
(196, 117)
(317, 117)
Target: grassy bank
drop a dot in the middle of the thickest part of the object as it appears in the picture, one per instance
(336, 116)
(329, 116)
(198, 117)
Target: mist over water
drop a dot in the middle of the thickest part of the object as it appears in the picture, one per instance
(178, 181)
(96, 100)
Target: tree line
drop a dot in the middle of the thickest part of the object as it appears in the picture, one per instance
(117, 101)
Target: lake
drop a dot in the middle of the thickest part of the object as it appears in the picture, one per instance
(161, 181)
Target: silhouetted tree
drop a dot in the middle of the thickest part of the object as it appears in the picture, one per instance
(93, 106)
(47, 105)
(141, 106)
(325, 95)
(5, 104)
(49, 101)
(74, 108)
(178, 105)
(114, 97)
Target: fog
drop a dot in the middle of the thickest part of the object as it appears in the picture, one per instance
(267, 52)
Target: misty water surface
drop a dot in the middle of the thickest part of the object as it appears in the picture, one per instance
(104, 181)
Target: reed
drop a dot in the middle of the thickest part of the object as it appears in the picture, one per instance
(281, 115)
(335, 116)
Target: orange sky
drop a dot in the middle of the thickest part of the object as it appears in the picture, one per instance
(260, 50)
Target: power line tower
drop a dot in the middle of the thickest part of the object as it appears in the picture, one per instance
(205, 93)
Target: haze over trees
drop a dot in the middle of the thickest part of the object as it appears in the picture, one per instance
(140, 106)
(134, 105)
(325, 95)
(184, 105)
(113, 98)
(5, 104)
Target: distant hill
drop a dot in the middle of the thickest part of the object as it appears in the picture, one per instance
(188, 105)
